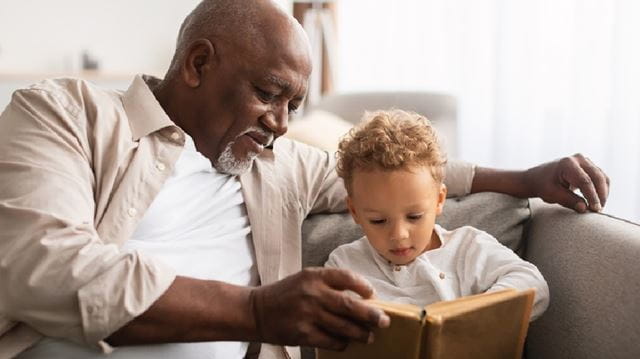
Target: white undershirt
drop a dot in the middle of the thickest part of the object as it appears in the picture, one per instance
(198, 224)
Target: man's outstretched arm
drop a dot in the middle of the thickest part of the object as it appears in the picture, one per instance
(553, 181)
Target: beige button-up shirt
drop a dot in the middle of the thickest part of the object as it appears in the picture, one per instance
(79, 165)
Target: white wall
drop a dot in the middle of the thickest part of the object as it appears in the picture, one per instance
(127, 36)
(43, 38)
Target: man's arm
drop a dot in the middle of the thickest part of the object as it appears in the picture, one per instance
(308, 308)
(553, 181)
(59, 277)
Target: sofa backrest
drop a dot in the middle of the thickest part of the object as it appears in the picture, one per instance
(440, 109)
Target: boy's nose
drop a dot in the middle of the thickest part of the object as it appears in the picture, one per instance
(399, 232)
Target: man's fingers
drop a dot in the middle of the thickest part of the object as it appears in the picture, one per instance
(342, 279)
(319, 338)
(346, 305)
(599, 178)
(344, 328)
(567, 198)
(577, 177)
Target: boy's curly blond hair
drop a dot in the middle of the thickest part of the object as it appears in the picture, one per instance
(390, 140)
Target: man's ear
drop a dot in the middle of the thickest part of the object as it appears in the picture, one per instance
(352, 210)
(199, 57)
(442, 197)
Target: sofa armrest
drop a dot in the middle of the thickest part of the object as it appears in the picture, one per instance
(592, 264)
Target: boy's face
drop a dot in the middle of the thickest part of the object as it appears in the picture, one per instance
(397, 210)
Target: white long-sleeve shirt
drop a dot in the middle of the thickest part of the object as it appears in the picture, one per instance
(469, 261)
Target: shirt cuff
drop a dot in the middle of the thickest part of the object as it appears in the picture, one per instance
(459, 178)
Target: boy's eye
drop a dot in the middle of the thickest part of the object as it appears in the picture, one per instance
(414, 217)
(293, 109)
(265, 95)
(377, 221)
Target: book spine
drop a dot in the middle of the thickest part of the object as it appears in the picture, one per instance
(432, 330)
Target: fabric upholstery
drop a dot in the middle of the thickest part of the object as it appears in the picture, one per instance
(592, 264)
(319, 128)
(440, 109)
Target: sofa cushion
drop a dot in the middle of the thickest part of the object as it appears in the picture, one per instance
(501, 215)
(321, 129)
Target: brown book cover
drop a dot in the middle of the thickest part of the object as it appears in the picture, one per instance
(488, 325)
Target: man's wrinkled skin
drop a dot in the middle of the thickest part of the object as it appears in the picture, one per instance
(233, 94)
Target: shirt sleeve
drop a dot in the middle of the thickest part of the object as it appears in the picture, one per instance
(318, 180)
(56, 274)
(331, 261)
(487, 265)
(458, 178)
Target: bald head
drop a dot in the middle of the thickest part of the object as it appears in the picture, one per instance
(248, 24)
(241, 68)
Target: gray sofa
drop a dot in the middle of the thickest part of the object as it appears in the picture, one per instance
(591, 261)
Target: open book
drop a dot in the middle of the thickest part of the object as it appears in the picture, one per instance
(488, 325)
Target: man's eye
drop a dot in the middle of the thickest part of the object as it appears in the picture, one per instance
(293, 109)
(264, 95)
(414, 217)
(377, 221)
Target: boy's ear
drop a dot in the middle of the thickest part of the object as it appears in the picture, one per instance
(442, 197)
(352, 210)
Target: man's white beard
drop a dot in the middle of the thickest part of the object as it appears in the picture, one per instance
(228, 163)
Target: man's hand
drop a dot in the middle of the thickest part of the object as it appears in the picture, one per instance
(311, 308)
(555, 181)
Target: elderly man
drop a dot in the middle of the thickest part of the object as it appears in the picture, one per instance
(147, 219)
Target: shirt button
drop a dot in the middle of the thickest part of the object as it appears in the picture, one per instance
(132, 212)
(175, 136)
(160, 166)
(441, 275)
(397, 268)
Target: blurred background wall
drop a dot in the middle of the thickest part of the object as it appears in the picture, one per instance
(534, 80)
(126, 36)
(42, 38)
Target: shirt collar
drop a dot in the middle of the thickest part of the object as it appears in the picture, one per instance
(143, 109)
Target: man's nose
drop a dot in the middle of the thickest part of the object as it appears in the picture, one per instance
(277, 121)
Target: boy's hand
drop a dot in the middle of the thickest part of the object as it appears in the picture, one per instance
(312, 308)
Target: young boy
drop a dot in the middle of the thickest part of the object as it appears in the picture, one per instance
(393, 170)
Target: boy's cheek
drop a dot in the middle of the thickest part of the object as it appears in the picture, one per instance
(375, 241)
